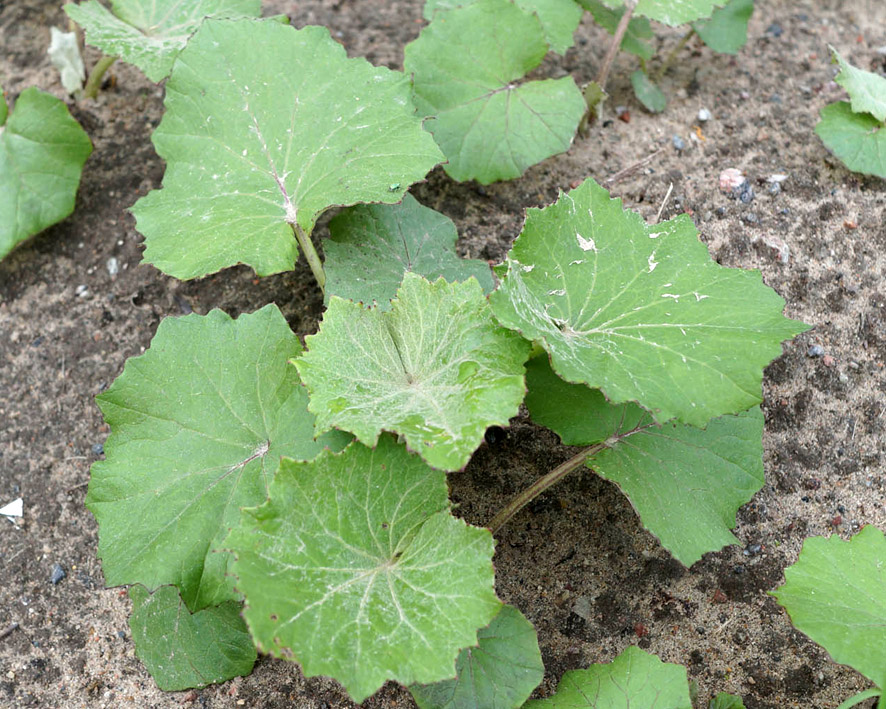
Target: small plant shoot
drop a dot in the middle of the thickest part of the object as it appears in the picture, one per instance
(467, 68)
(42, 153)
(855, 130)
(356, 569)
(836, 594)
(371, 247)
(254, 162)
(150, 33)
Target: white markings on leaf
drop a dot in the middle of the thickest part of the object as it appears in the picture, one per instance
(586, 244)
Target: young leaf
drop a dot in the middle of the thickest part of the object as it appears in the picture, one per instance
(686, 483)
(64, 53)
(183, 650)
(356, 569)
(727, 30)
(647, 93)
(151, 33)
(639, 311)
(372, 246)
(672, 12)
(857, 139)
(267, 150)
(198, 424)
(42, 152)
(726, 701)
(499, 674)
(559, 18)
(638, 34)
(465, 67)
(867, 91)
(633, 679)
(436, 369)
(836, 594)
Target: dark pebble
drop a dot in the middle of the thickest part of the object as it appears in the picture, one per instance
(775, 98)
(97, 449)
(738, 569)
(750, 218)
(121, 635)
(721, 211)
(815, 351)
(774, 187)
(495, 435)
(747, 194)
(58, 573)
(775, 30)
(679, 143)
(753, 549)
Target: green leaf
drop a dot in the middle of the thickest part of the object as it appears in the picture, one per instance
(198, 424)
(499, 674)
(672, 12)
(42, 152)
(727, 30)
(640, 312)
(726, 701)
(867, 91)
(686, 483)
(266, 149)
(857, 139)
(633, 679)
(151, 33)
(638, 34)
(559, 18)
(372, 246)
(436, 369)
(647, 93)
(466, 66)
(836, 594)
(183, 650)
(4, 108)
(356, 569)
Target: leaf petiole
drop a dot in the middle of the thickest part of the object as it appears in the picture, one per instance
(861, 696)
(313, 258)
(94, 82)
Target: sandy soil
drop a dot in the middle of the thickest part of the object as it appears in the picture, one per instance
(577, 562)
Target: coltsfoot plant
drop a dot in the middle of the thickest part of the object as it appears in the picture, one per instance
(42, 153)
(855, 130)
(297, 495)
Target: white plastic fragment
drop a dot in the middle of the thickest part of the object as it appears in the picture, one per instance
(704, 115)
(776, 178)
(65, 56)
(13, 509)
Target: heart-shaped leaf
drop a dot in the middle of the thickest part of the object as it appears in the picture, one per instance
(436, 369)
(183, 650)
(633, 679)
(466, 68)
(498, 674)
(836, 594)
(857, 139)
(42, 152)
(356, 569)
(727, 30)
(640, 312)
(639, 32)
(198, 424)
(373, 246)
(151, 33)
(266, 151)
(559, 18)
(867, 91)
(686, 483)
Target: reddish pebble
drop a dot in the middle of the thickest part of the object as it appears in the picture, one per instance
(625, 116)
(641, 630)
(828, 361)
(849, 224)
(837, 520)
(719, 597)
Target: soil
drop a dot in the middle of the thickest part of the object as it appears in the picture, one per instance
(577, 562)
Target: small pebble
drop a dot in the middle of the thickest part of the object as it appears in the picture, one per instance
(679, 143)
(774, 188)
(747, 194)
(113, 266)
(82, 290)
(58, 573)
(704, 115)
(753, 549)
(97, 449)
(121, 635)
(775, 30)
(815, 351)
(750, 218)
